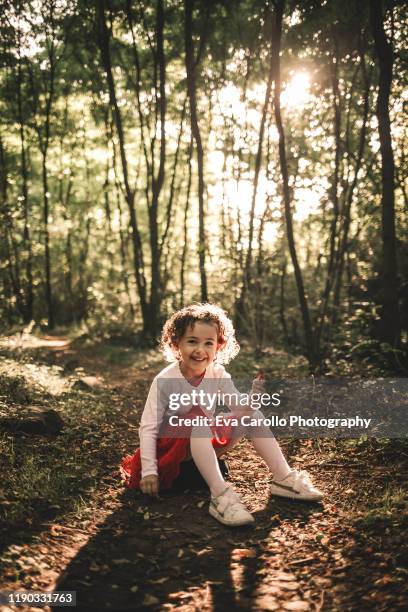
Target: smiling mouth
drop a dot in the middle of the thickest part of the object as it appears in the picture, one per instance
(197, 359)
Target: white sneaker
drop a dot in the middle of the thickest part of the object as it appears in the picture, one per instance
(296, 485)
(228, 509)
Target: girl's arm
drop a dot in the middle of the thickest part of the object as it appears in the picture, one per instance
(148, 431)
(232, 395)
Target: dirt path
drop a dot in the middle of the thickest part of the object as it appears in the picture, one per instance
(136, 553)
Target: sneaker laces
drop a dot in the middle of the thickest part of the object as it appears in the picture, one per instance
(305, 477)
(305, 480)
(301, 479)
(229, 497)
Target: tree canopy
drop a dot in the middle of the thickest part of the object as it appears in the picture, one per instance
(246, 153)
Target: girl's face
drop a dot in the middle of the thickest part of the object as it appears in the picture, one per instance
(198, 347)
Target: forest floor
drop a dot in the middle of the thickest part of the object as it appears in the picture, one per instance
(69, 524)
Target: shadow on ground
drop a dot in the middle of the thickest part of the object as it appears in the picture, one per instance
(175, 553)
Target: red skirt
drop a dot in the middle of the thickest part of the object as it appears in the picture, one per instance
(170, 453)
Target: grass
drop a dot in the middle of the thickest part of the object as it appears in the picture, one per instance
(391, 507)
(46, 478)
(42, 479)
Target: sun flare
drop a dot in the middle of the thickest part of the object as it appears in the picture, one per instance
(297, 91)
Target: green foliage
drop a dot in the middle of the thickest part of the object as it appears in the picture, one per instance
(48, 477)
(14, 388)
(58, 123)
(354, 348)
(391, 507)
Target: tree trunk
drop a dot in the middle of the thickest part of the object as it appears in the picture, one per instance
(191, 67)
(390, 331)
(282, 305)
(10, 243)
(337, 120)
(44, 142)
(29, 300)
(48, 289)
(276, 48)
(104, 45)
(157, 181)
(343, 248)
(185, 227)
(258, 163)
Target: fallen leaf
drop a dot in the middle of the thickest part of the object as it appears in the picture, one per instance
(386, 579)
(267, 603)
(283, 576)
(296, 605)
(244, 553)
(287, 586)
(94, 567)
(55, 530)
(324, 583)
(150, 600)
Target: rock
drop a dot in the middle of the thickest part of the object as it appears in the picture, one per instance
(150, 600)
(86, 383)
(70, 366)
(45, 423)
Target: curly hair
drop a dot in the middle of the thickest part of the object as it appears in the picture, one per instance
(175, 328)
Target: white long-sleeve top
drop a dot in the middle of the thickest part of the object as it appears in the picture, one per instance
(171, 380)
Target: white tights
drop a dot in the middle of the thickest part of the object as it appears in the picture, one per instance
(205, 457)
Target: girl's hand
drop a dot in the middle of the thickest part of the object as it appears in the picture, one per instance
(258, 384)
(150, 485)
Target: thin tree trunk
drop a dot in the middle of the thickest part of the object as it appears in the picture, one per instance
(343, 248)
(104, 45)
(26, 206)
(282, 301)
(44, 141)
(82, 261)
(390, 330)
(143, 119)
(10, 243)
(191, 68)
(239, 320)
(185, 226)
(258, 164)
(123, 251)
(337, 108)
(173, 181)
(276, 48)
(48, 289)
(157, 181)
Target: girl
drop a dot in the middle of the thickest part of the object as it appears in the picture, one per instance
(197, 339)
